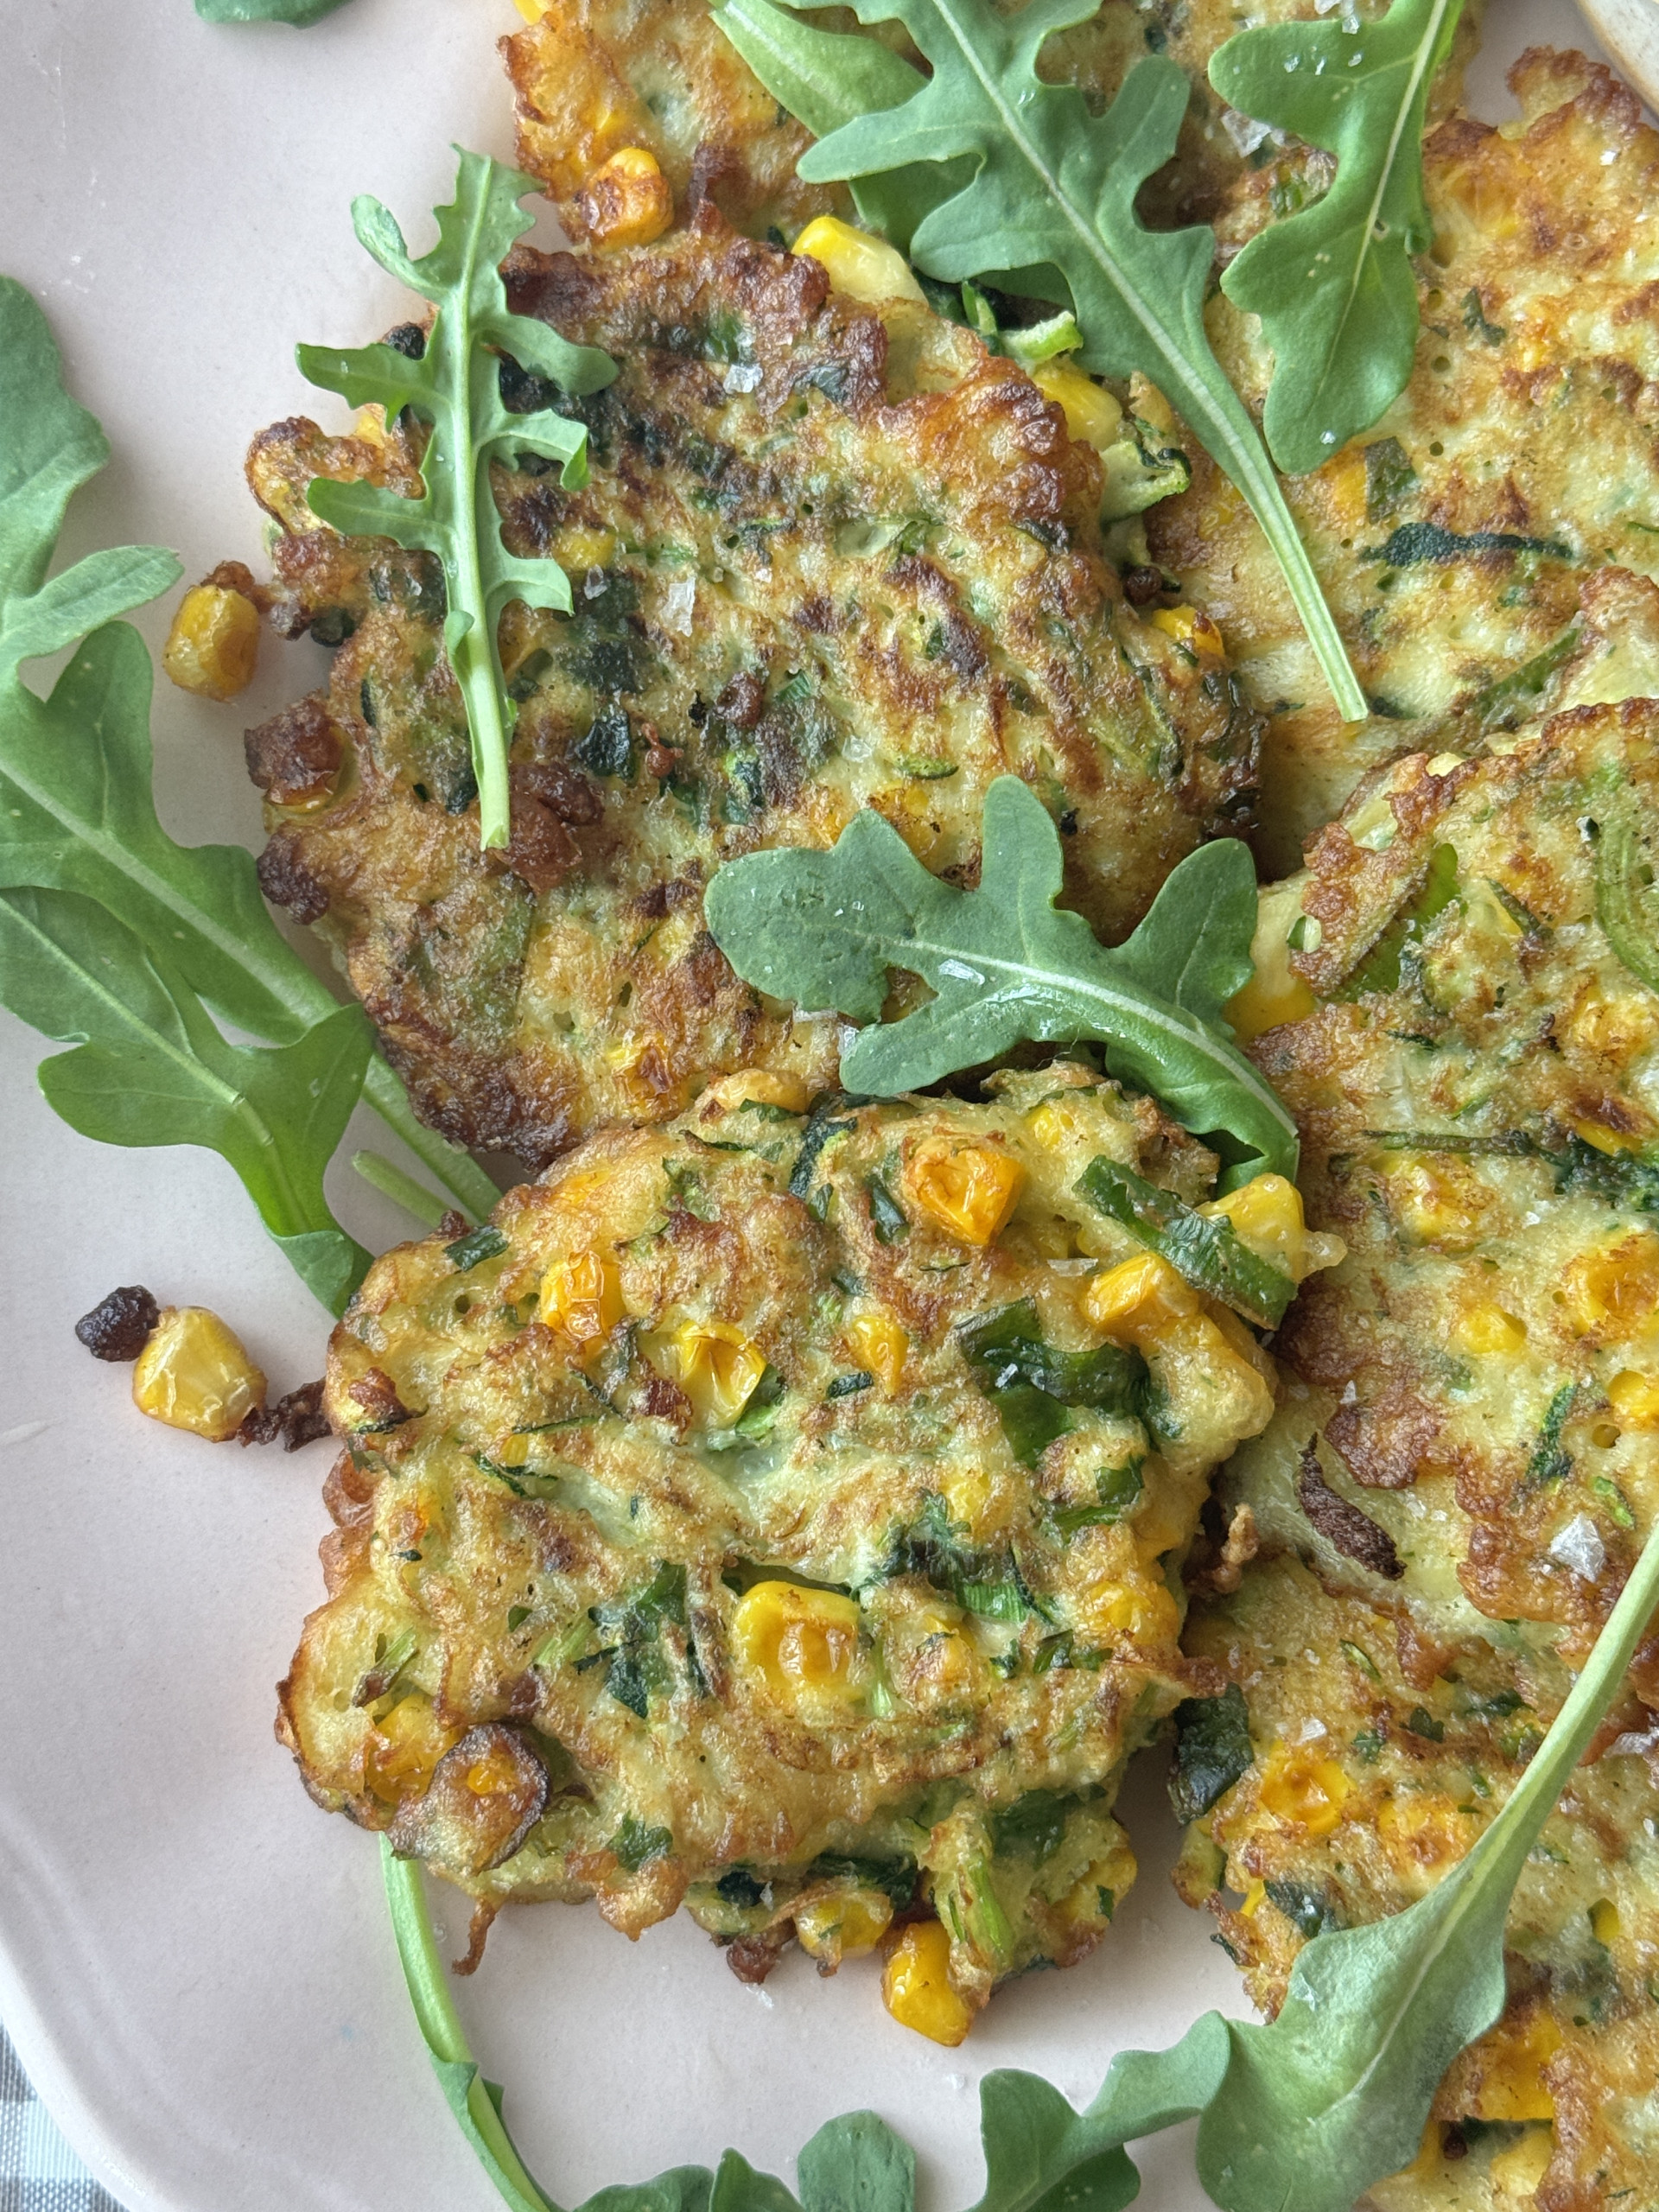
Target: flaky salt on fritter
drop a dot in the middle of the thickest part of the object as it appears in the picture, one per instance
(1452, 537)
(1465, 1462)
(782, 1515)
(830, 556)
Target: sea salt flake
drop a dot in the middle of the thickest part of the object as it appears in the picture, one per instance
(679, 601)
(1578, 1546)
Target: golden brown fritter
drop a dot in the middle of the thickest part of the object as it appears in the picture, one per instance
(753, 1516)
(1465, 1461)
(1452, 536)
(828, 557)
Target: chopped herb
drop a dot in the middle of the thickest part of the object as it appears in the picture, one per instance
(635, 1845)
(1033, 1827)
(1385, 966)
(1117, 1491)
(475, 1247)
(1063, 1651)
(1420, 1721)
(1550, 1460)
(1204, 1249)
(1033, 1387)
(848, 1386)
(1362, 1659)
(1614, 1500)
(1212, 1751)
(1309, 1911)
(887, 1217)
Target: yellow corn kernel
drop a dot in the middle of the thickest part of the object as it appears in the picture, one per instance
(1093, 416)
(1603, 1139)
(1635, 1399)
(214, 643)
(194, 1374)
(1604, 1920)
(1274, 993)
(1188, 627)
(407, 1745)
(916, 1985)
(975, 1500)
(1055, 1124)
(1250, 1904)
(1267, 1216)
(1141, 1612)
(579, 549)
(878, 1343)
(1424, 1832)
(531, 10)
(1486, 1328)
(582, 1297)
(627, 200)
(800, 1643)
(1511, 2085)
(1139, 1297)
(716, 1365)
(762, 1087)
(1442, 1202)
(1299, 1788)
(1611, 1294)
(1517, 2172)
(969, 1189)
(843, 1924)
(858, 265)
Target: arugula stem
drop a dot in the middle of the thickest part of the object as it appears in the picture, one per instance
(402, 1190)
(472, 647)
(446, 2038)
(457, 1171)
(1209, 402)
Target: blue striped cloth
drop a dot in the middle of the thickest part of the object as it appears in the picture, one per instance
(38, 2170)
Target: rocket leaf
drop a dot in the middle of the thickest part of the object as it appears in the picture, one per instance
(151, 1069)
(825, 929)
(454, 388)
(76, 809)
(298, 12)
(1041, 194)
(1333, 284)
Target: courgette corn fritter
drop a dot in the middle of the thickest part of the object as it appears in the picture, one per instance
(1452, 537)
(1465, 1462)
(828, 557)
(782, 1515)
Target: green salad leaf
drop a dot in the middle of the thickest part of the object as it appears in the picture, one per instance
(1035, 190)
(455, 389)
(1334, 283)
(1006, 965)
(77, 813)
(152, 1068)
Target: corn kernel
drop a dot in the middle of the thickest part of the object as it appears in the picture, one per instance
(1603, 1138)
(214, 643)
(762, 1087)
(1093, 416)
(715, 1364)
(1511, 2078)
(1250, 1904)
(1604, 1920)
(843, 1924)
(1143, 1612)
(1274, 993)
(193, 1374)
(1611, 1295)
(1139, 1297)
(878, 1343)
(1188, 627)
(531, 10)
(916, 1987)
(969, 1189)
(408, 1742)
(1441, 1202)
(800, 1643)
(1055, 1124)
(976, 1502)
(1267, 1219)
(579, 549)
(1301, 1788)
(626, 200)
(1517, 2172)
(1489, 1329)
(582, 1297)
(1422, 1831)
(861, 266)
(1635, 1399)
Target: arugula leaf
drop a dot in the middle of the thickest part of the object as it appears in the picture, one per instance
(454, 388)
(298, 12)
(1041, 194)
(151, 1069)
(76, 808)
(823, 930)
(1333, 284)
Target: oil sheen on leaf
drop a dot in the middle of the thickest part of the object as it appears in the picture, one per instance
(76, 810)
(1333, 284)
(455, 389)
(1041, 194)
(1007, 966)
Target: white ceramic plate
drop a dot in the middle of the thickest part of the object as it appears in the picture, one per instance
(195, 1963)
